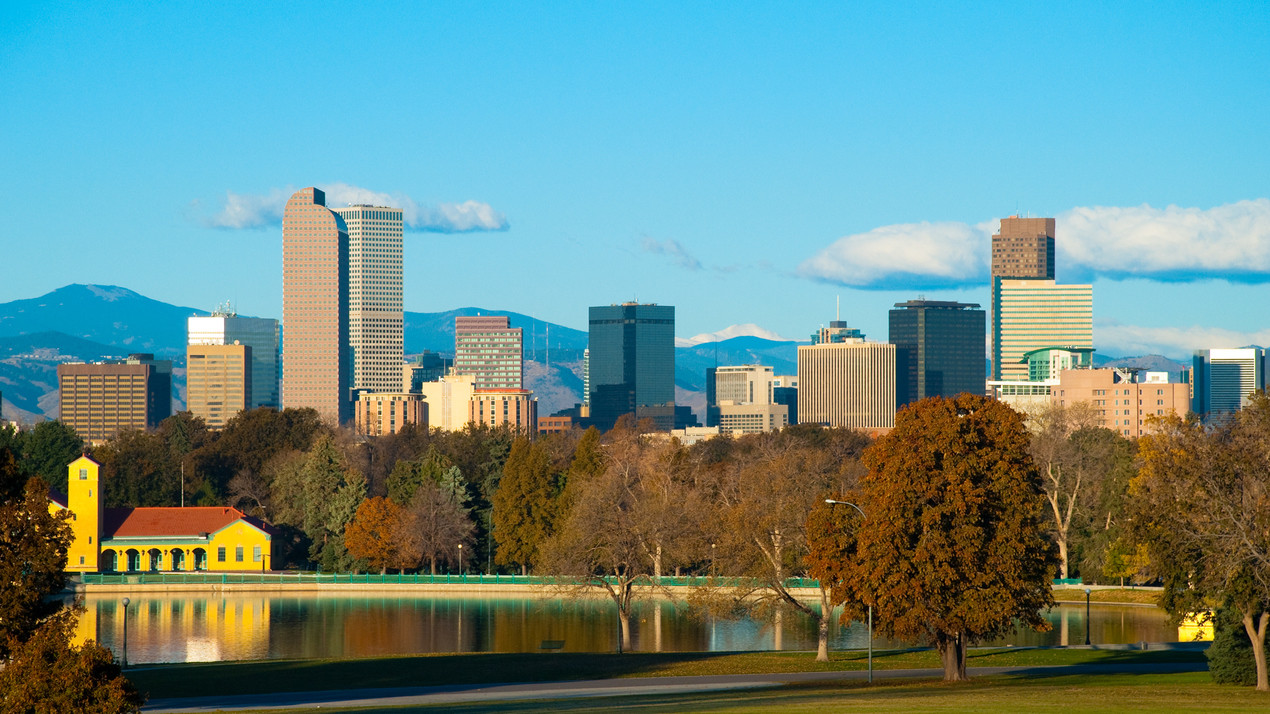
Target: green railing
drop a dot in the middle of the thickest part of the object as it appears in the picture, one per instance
(201, 578)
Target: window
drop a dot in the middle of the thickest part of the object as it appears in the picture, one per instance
(83, 474)
(255, 553)
(220, 554)
(238, 554)
(81, 560)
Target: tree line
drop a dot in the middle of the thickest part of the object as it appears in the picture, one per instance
(955, 491)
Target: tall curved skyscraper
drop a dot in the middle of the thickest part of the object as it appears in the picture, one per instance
(316, 363)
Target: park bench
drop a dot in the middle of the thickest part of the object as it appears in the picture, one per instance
(551, 645)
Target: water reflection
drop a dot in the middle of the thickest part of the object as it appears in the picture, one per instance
(194, 628)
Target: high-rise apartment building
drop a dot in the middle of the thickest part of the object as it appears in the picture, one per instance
(631, 363)
(374, 295)
(1024, 248)
(316, 365)
(1223, 379)
(224, 327)
(217, 382)
(380, 413)
(1030, 315)
(847, 384)
(939, 349)
(1123, 400)
(101, 399)
(740, 400)
(490, 349)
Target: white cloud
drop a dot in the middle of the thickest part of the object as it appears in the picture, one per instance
(672, 249)
(1173, 243)
(257, 211)
(244, 210)
(747, 330)
(919, 254)
(1177, 343)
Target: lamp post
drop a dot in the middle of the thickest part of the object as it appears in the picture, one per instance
(460, 560)
(125, 633)
(1086, 616)
(712, 560)
(832, 502)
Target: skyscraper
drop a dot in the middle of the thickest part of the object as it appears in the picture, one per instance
(217, 382)
(1223, 379)
(225, 327)
(939, 349)
(316, 364)
(631, 363)
(740, 400)
(101, 399)
(374, 295)
(849, 383)
(1030, 315)
(1024, 248)
(490, 349)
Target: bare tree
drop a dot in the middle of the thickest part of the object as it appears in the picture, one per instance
(433, 527)
(762, 506)
(1069, 472)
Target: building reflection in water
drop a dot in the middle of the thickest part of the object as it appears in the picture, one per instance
(212, 627)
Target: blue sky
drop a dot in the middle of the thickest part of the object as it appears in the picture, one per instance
(747, 163)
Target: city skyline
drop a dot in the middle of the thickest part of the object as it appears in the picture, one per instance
(752, 173)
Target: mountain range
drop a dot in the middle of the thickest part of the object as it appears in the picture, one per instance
(94, 322)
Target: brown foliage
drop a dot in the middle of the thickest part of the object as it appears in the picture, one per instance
(48, 674)
(374, 534)
(952, 548)
(1201, 506)
(33, 547)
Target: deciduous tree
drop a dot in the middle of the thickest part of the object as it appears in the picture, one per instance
(375, 533)
(433, 526)
(952, 547)
(1201, 506)
(49, 674)
(33, 544)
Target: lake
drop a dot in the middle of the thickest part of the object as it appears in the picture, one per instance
(233, 626)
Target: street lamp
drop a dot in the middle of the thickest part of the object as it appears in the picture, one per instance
(460, 559)
(832, 502)
(712, 560)
(125, 633)
(1086, 616)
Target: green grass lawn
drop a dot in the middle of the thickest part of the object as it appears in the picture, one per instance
(263, 676)
(985, 695)
(1120, 596)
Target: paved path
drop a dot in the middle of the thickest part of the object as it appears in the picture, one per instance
(404, 696)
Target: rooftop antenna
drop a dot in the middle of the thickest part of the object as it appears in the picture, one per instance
(548, 349)
(837, 310)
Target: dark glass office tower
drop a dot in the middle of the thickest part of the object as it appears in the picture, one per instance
(632, 363)
(939, 349)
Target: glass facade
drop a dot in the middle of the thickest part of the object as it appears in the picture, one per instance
(632, 363)
(939, 349)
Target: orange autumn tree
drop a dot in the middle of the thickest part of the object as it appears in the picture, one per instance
(374, 534)
(951, 548)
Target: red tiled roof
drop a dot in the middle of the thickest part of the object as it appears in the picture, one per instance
(168, 522)
(58, 498)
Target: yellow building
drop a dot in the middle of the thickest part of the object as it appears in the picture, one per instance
(157, 539)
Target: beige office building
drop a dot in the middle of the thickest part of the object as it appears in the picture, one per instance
(513, 408)
(448, 400)
(380, 413)
(1124, 403)
(739, 400)
(374, 295)
(1031, 315)
(218, 382)
(315, 341)
(490, 349)
(101, 399)
(847, 384)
